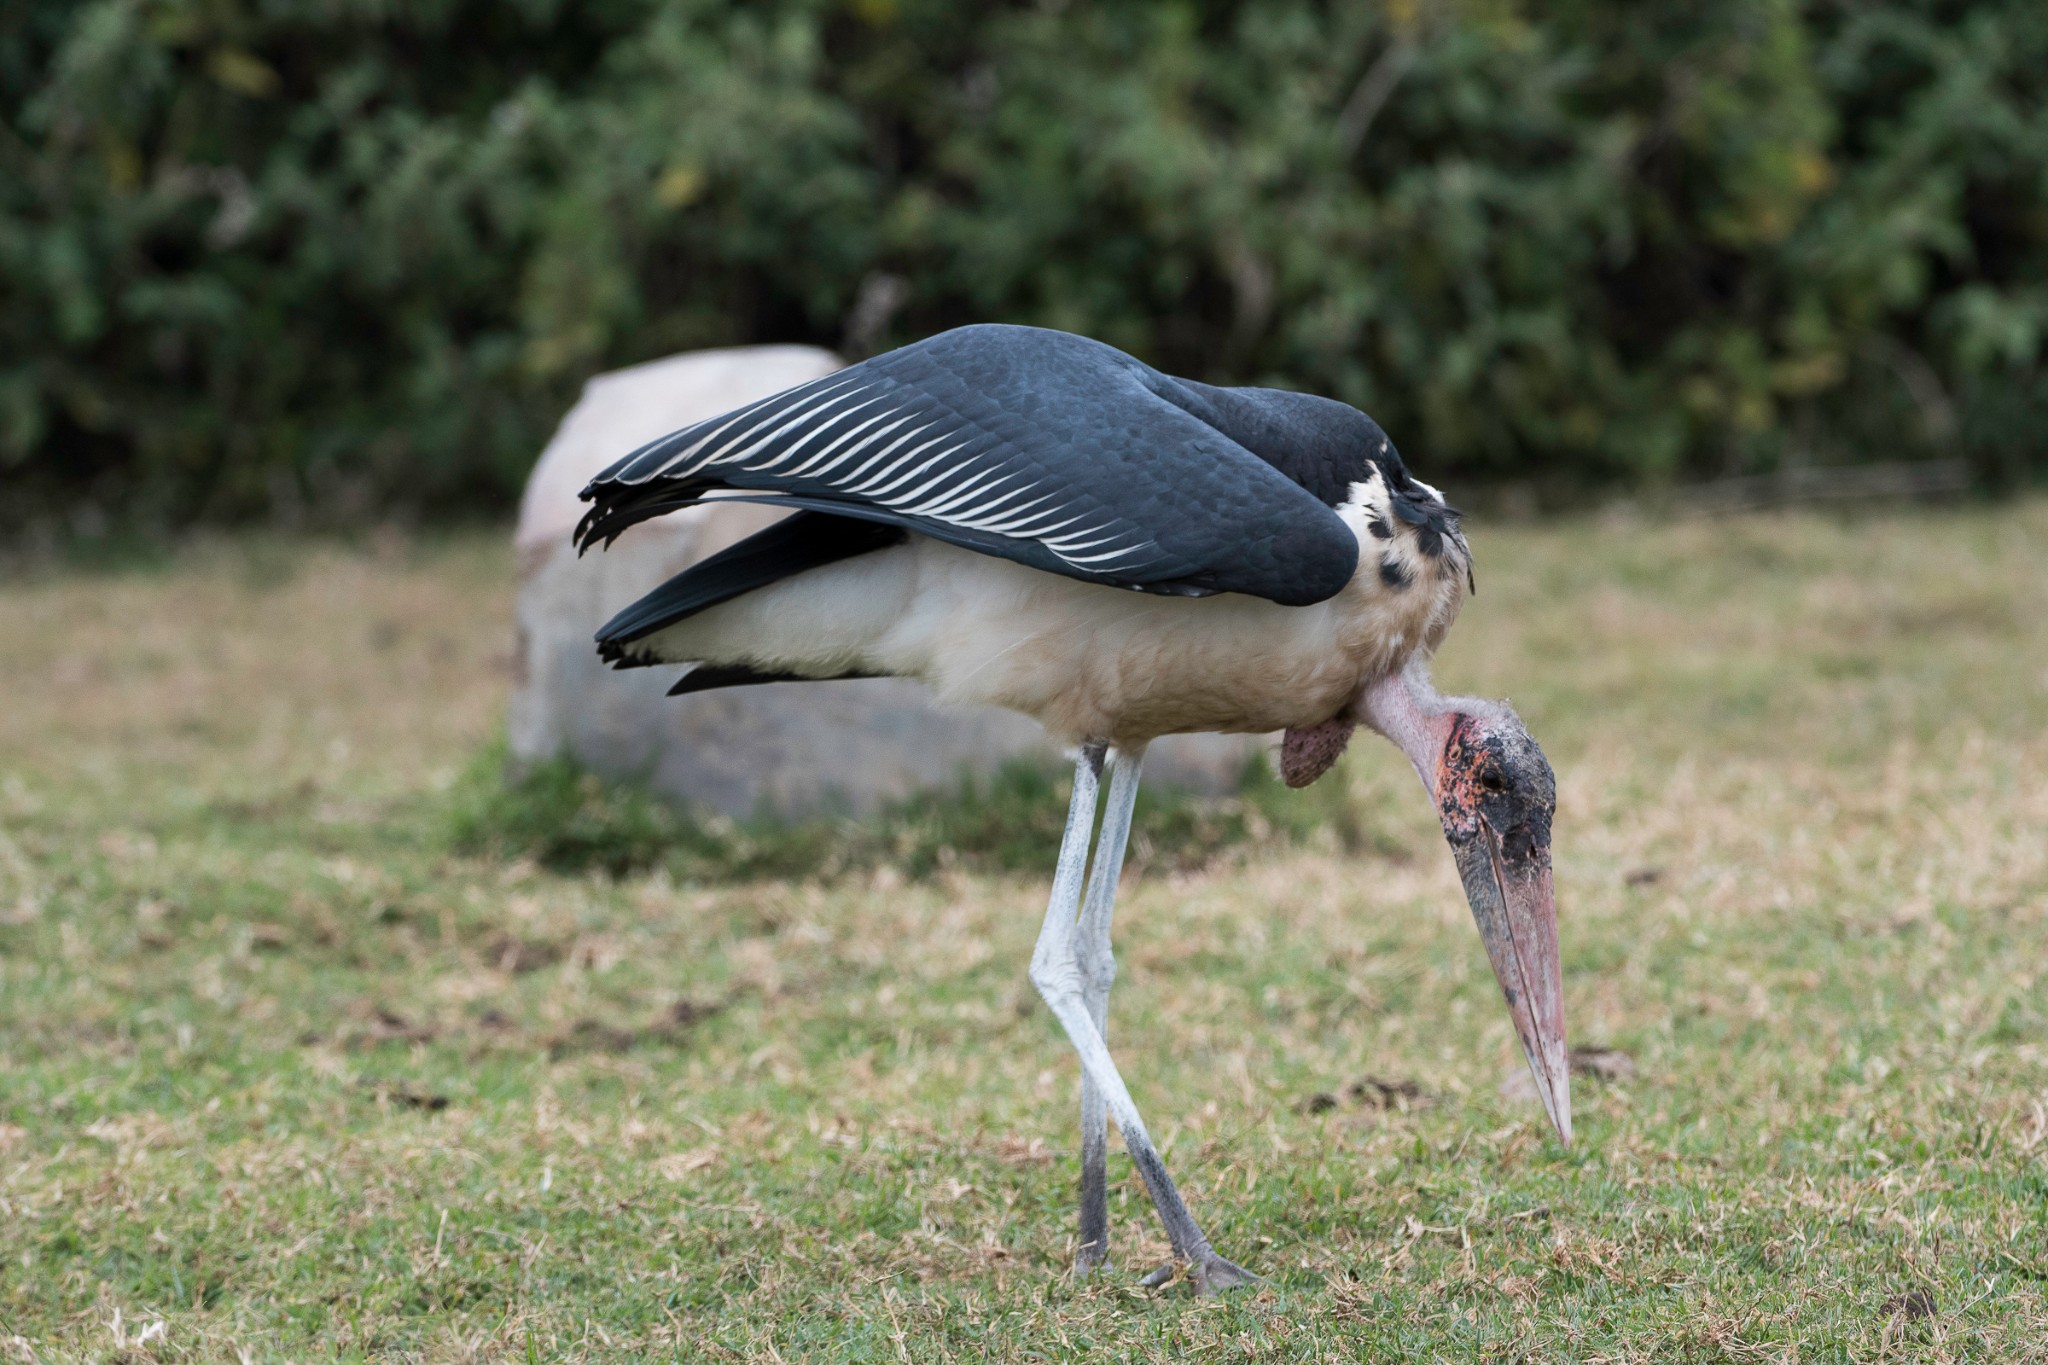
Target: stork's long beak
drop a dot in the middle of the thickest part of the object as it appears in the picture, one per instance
(1517, 915)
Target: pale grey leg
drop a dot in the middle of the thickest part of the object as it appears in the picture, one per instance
(1056, 971)
(1098, 972)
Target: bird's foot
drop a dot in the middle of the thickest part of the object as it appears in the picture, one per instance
(1209, 1273)
(1212, 1275)
(1092, 1256)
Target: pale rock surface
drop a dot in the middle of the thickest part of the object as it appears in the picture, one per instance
(788, 747)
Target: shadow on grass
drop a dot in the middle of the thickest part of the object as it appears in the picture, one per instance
(570, 820)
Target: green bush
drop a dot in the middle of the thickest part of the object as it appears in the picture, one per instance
(336, 257)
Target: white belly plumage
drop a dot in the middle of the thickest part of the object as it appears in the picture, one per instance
(1089, 662)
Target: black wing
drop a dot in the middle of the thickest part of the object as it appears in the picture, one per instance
(1036, 446)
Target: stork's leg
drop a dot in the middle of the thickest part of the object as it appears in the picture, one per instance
(1056, 971)
(1098, 971)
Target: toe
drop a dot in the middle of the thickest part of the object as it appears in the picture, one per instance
(1213, 1275)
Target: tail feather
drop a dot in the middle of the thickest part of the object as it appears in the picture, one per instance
(805, 540)
(705, 677)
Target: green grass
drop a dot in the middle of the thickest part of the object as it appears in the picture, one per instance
(1010, 821)
(314, 1044)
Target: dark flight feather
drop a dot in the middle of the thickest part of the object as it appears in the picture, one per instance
(705, 677)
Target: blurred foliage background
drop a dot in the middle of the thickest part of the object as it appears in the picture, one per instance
(333, 259)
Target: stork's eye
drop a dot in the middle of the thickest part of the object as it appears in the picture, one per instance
(1492, 781)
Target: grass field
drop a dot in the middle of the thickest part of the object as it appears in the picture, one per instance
(285, 1074)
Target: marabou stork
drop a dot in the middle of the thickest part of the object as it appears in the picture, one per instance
(1030, 519)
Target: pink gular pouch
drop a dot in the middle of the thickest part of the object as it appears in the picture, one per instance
(1307, 752)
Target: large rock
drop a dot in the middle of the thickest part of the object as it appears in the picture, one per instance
(786, 747)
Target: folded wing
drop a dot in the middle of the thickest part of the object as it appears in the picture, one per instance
(1037, 446)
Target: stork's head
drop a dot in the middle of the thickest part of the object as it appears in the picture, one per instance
(1495, 794)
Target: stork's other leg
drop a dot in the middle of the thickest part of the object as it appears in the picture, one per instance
(1056, 971)
(1098, 972)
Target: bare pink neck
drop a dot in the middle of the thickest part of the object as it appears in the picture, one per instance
(1409, 711)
